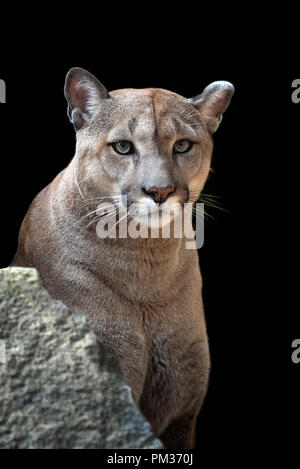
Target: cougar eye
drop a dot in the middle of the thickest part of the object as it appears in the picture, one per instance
(123, 147)
(182, 146)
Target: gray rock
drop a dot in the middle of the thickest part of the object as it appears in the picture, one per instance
(54, 393)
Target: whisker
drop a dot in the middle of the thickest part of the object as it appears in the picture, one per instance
(97, 202)
(97, 199)
(89, 214)
(109, 214)
(210, 195)
(97, 218)
(208, 200)
(84, 179)
(203, 214)
(100, 197)
(119, 221)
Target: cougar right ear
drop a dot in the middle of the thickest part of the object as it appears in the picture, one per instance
(214, 100)
(83, 93)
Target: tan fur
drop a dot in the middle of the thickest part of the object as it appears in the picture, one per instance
(142, 297)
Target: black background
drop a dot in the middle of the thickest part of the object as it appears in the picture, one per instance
(253, 393)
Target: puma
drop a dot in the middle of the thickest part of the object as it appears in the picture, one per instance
(141, 296)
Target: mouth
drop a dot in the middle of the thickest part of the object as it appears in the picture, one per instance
(154, 215)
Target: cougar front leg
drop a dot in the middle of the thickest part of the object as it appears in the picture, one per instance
(180, 433)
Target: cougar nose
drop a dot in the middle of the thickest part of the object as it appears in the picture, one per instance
(159, 194)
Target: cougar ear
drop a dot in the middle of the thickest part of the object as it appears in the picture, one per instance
(83, 93)
(214, 100)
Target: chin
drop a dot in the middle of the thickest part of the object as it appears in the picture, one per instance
(157, 219)
(152, 216)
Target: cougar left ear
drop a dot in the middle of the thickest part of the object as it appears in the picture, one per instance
(214, 100)
(83, 93)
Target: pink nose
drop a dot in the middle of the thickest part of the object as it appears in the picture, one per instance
(160, 195)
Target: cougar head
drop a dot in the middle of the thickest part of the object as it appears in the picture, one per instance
(148, 149)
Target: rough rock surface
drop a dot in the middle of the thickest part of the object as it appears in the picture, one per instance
(53, 391)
